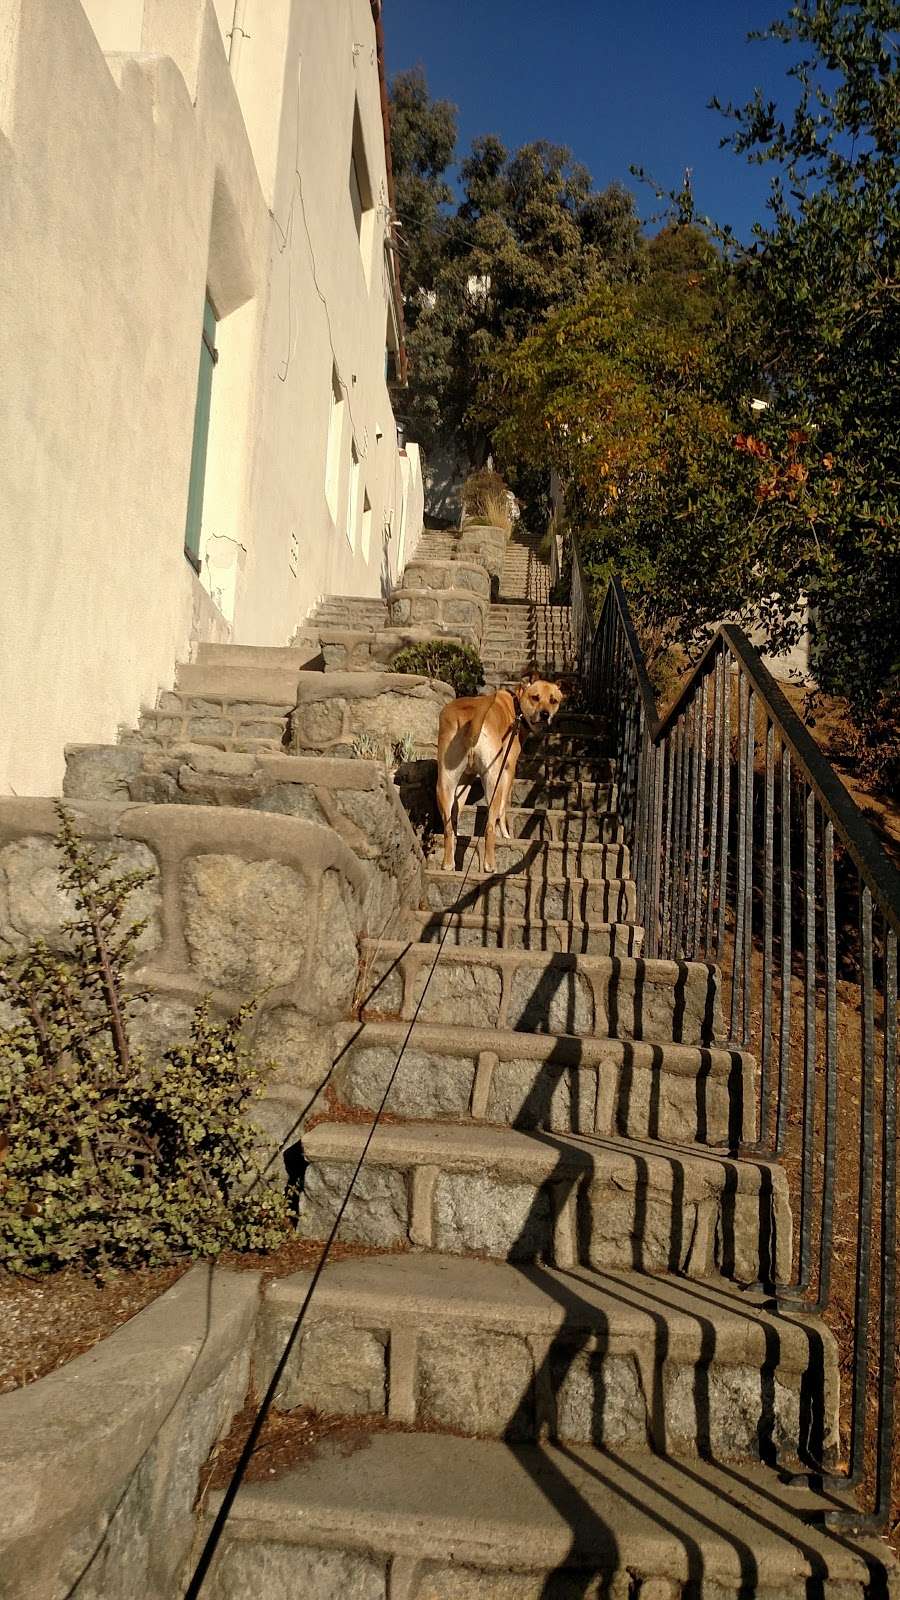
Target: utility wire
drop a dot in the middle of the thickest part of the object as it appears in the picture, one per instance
(234, 1483)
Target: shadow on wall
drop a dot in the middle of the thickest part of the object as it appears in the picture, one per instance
(445, 475)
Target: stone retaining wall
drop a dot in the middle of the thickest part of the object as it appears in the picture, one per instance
(487, 545)
(449, 573)
(100, 1462)
(444, 612)
(241, 904)
(334, 708)
(356, 798)
(349, 650)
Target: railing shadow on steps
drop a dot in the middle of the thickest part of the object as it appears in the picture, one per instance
(748, 851)
(675, 1496)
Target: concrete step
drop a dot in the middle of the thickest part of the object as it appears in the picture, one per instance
(499, 1350)
(519, 895)
(547, 859)
(556, 1081)
(240, 680)
(223, 720)
(561, 741)
(546, 823)
(425, 1516)
(596, 797)
(519, 933)
(350, 606)
(535, 992)
(248, 656)
(560, 768)
(562, 1199)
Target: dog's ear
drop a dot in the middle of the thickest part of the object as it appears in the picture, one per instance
(523, 683)
(566, 684)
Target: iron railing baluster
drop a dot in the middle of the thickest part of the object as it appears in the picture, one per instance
(864, 1212)
(748, 868)
(888, 1307)
(787, 962)
(702, 836)
(830, 1106)
(809, 1038)
(693, 938)
(725, 848)
(715, 831)
(740, 886)
(768, 895)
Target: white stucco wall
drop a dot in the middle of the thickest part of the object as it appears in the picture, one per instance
(327, 310)
(128, 185)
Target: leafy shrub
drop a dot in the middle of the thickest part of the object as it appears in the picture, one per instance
(486, 500)
(107, 1160)
(456, 664)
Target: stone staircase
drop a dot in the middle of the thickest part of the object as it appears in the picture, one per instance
(542, 1373)
(533, 1356)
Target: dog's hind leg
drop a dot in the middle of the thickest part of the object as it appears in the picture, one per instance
(446, 799)
(496, 820)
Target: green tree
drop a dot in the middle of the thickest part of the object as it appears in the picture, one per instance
(423, 144)
(528, 234)
(628, 395)
(825, 276)
(638, 394)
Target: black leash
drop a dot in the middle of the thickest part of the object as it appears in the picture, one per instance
(215, 1533)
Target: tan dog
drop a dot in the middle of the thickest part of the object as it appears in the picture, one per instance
(481, 737)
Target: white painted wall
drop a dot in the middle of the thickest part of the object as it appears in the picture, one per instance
(327, 311)
(127, 186)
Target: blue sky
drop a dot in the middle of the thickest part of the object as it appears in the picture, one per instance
(620, 84)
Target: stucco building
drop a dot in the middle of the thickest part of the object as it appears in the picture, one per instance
(199, 314)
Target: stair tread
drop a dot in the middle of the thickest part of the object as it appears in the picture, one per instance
(558, 1048)
(633, 1309)
(579, 932)
(269, 685)
(534, 1508)
(655, 967)
(538, 1156)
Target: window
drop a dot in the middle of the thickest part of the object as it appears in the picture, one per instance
(208, 358)
(352, 496)
(335, 441)
(366, 526)
(361, 198)
(401, 542)
(391, 343)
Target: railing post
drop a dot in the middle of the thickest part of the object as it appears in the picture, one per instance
(702, 832)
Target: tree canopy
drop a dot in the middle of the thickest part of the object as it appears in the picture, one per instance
(528, 234)
(546, 327)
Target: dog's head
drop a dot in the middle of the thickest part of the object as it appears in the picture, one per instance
(539, 701)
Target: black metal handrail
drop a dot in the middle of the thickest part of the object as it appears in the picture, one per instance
(732, 812)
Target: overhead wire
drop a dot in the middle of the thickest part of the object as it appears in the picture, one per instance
(207, 1554)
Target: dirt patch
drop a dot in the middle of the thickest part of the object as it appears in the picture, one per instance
(45, 1322)
(287, 1439)
(48, 1321)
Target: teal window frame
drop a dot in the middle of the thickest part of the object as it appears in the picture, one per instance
(209, 356)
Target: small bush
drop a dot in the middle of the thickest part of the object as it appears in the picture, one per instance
(366, 747)
(486, 499)
(456, 664)
(106, 1160)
